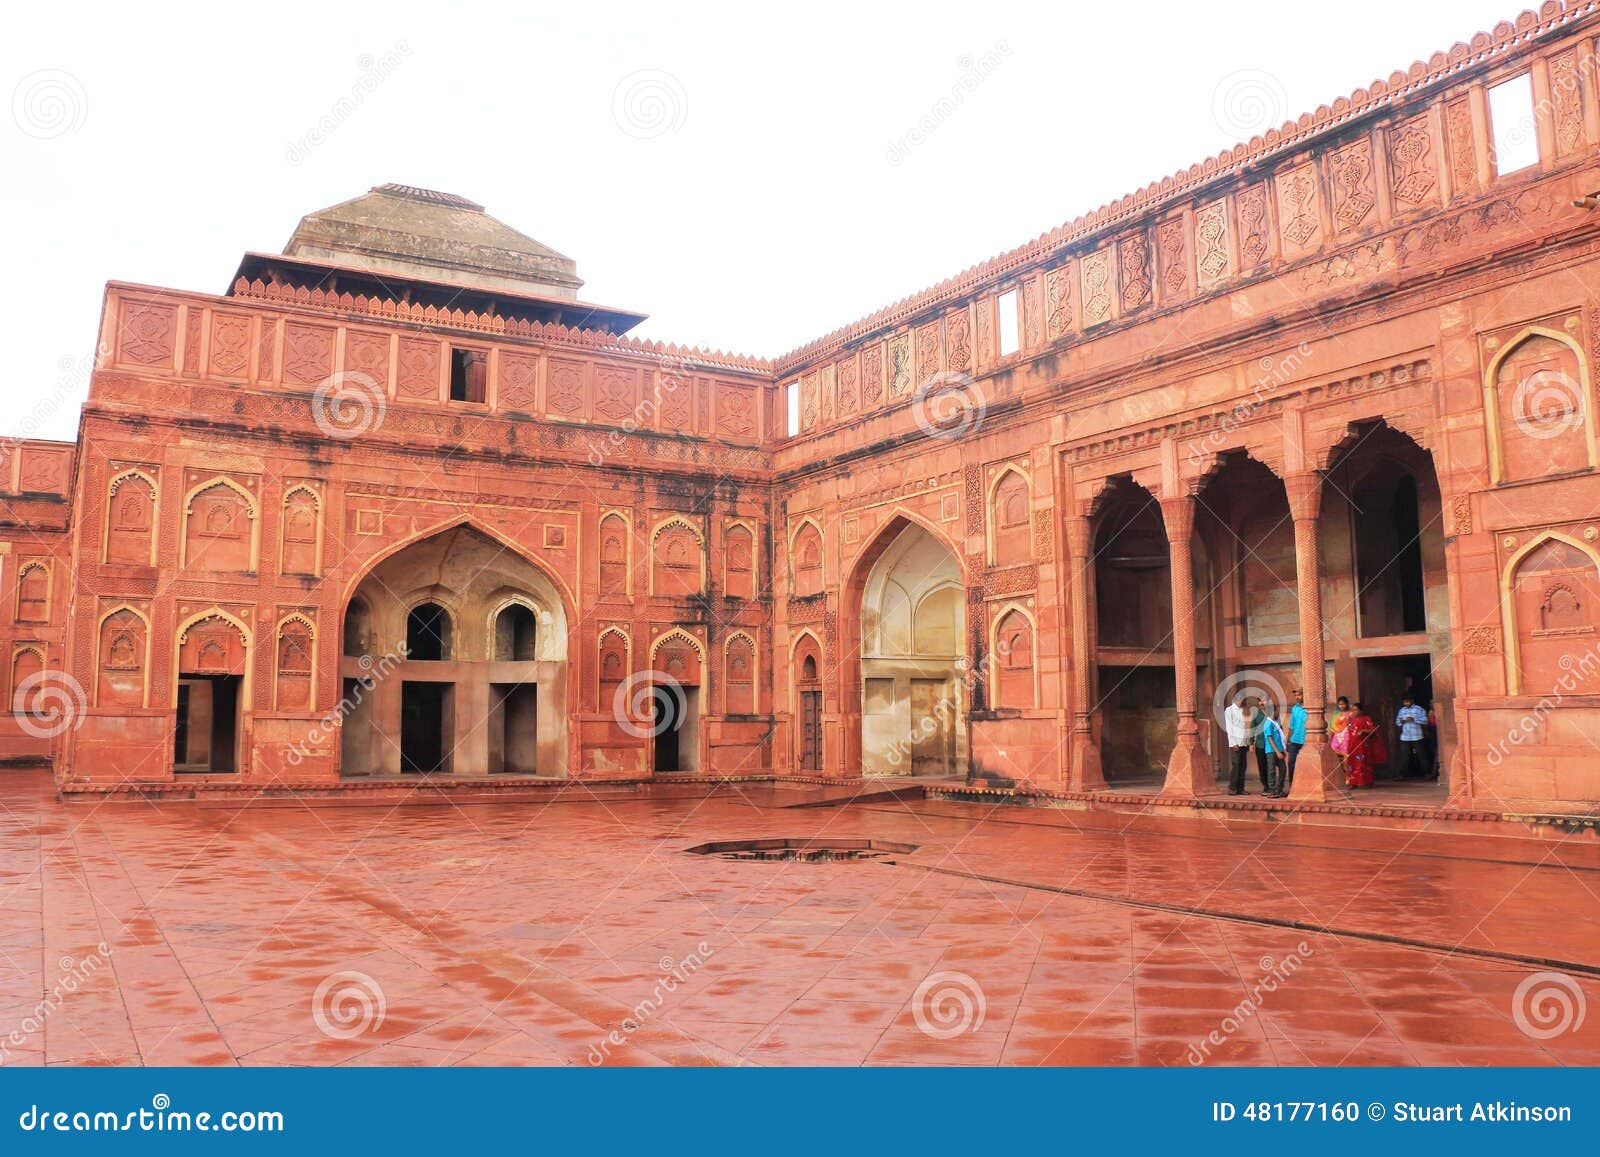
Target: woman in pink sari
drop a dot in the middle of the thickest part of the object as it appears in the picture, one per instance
(1364, 749)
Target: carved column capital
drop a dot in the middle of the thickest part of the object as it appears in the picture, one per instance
(1178, 515)
(1077, 536)
(1305, 495)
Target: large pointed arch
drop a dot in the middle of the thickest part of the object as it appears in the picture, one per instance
(844, 683)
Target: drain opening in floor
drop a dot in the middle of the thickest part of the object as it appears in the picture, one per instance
(807, 851)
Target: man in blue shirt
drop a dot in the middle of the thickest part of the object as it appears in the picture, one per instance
(1297, 734)
(1411, 720)
(1269, 753)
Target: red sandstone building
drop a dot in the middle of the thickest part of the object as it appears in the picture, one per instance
(1317, 413)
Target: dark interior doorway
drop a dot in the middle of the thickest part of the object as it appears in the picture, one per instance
(513, 728)
(1383, 682)
(428, 633)
(1388, 541)
(425, 722)
(1138, 723)
(206, 737)
(676, 727)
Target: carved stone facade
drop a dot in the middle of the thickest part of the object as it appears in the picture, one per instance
(1353, 313)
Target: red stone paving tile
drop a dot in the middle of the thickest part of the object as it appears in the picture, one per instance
(529, 934)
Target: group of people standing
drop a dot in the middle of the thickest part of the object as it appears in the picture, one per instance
(1353, 735)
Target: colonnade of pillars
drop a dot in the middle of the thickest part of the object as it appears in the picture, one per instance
(1189, 771)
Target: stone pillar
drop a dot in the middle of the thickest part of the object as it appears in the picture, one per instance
(1317, 774)
(386, 721)
(1086, 772)
(472, 721)
(1189, 770)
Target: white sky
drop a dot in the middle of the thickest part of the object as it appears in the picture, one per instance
(760, 209)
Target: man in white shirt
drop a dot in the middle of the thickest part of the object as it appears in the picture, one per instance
(1236, 721)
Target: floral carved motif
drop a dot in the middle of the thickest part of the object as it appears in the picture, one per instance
(899, 365)
(148, 332)
(230, 345)
(1058, 302)
(1253, 225)
(1353, 195)
(307, 353)
(418, 369)
(1297, 194)
(1463, 158)
(958, 331)
(1409, 146)
(1567, 101)
(1211, 242)
(872, 372)
(1133, 251)
(849, 399)
(565, 389)
(1096, 288)
(517, 374)
(1174, 275)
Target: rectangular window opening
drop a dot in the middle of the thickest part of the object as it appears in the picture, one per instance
(1513, 125)
(469, 373)
(791, 401)
(1010, 342)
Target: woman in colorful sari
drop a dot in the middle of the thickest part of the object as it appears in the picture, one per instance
(1365, 749)
(1336, 725)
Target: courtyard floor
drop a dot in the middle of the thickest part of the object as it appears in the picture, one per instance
(582, 933)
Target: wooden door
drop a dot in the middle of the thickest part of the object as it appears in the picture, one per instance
(811, 731)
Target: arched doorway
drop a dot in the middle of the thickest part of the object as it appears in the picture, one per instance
(909, 600)
(1386, 601)
(455, 661)
(1135, 684)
